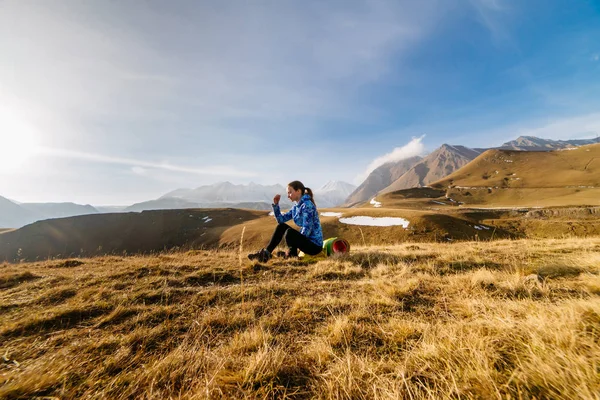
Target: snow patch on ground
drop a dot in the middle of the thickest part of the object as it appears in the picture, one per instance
(271, 213)
(375, 221)
(331, 214)
(375, 202)
(439, 202)
(481, 227)
(207, 219)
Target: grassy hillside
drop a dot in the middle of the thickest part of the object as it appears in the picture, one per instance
(503, 319)
(432, 218)
(525, 197)
(121, 233)
(155, 231)
(505, 178)
(579, 167)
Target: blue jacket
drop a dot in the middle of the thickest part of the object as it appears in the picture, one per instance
(306, 216)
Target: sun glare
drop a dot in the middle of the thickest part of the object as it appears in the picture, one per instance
(18, 144)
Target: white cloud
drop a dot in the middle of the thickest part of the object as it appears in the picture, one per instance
(102, 60)
(413, 148)
(139, 166)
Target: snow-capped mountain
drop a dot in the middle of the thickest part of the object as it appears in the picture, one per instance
(252, 195)
(227, 192)
(532, 143)
(333, 193)
(222, 195)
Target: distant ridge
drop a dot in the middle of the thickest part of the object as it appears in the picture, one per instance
(58, 210)
(163, 203)
(532, 143)
(13, 215)
(171, 203)
(252, 196)
(227, 192)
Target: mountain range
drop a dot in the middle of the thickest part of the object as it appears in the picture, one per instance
(15, 215)
(390, 177)
(252, 196)
(418, 172)
(517, 178)
(532, 143)
(219, 195)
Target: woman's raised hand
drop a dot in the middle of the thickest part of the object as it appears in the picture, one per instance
(276, 199)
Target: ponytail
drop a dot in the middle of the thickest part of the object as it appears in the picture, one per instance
(297, 185)
(310, 193)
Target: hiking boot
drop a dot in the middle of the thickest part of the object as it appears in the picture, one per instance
(263, 255)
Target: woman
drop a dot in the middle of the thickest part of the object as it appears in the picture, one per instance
(305, 215)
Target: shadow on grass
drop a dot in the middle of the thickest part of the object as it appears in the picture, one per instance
(61, 320)
(420, 297)
(368, 260)
(68, 264)
(458, 267)
(558, 270)
(339, 275)
(211, 278)
(118, 316)
(161, 296)
(4, 308)
(56, 296)
(297, 262)
(10, 281)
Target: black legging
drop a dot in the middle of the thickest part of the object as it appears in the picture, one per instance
(294, 239)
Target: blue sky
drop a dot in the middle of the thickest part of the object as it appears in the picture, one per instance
(119, 102)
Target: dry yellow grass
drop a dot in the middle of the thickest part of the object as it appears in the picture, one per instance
(528, 179)
(526, 169)
(505, 319)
